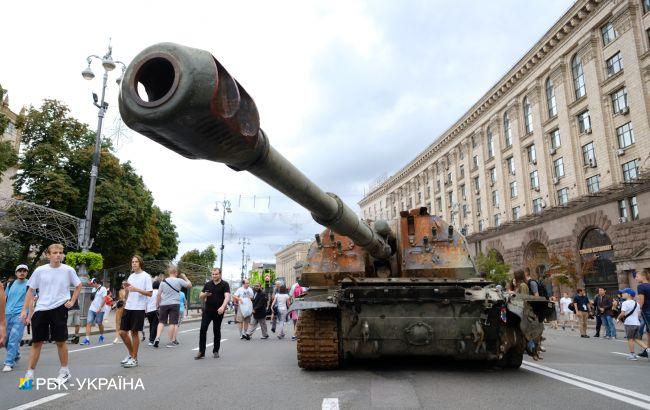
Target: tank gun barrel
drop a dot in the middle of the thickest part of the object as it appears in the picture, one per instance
(184, 99)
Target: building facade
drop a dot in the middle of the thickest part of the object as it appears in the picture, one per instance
(555, 157)
(287, 258)
(11, 134)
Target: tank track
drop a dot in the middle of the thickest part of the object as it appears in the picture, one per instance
(318, 340)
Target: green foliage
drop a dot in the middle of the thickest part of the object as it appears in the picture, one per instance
(55, 171)
(492, 266)
(258, 276)
(206, 257)
(94, 261)
(10, 254)
(8, 156)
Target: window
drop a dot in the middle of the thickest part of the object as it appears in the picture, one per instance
(578, 77)
(507, 130)
(537, 205)
(646, 6)
(461, 154)
(619, 100)
(450, 198)
(631, 170)
(556, 142)
(481, 226)
(497, 220)
(625, 135)
(608, 33)
(475, 161)
(439, 204)
(528, 116)
(463, 192)
(614, 64)
(584, 122)
(437, 185)
(558, 167)
(563, 196)
(490, 143)
(550, 98)
(513, 189)
(448, 178)
(410, 203)
(493, 175)
(534, 180)
(419, 198)
(593, 184)
(477, 184)
(516, 213)
(631, 204)
(461, 171)
(532, 155)
(588, 155)
(634, 208)
(510, 162)
(478, 204)
(495, 199)
(473, 141)
(622, 208)
(465, 210)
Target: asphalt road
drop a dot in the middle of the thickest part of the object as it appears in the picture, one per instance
(576, 373)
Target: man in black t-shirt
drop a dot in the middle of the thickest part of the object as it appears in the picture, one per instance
(216, 294)
(582, 306)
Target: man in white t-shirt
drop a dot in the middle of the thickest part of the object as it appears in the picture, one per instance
(96, 311)
(566, 315)
(243, 295)
(630, 317)
(50, 319)
(138, 288)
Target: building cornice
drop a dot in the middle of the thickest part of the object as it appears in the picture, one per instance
(568, 23)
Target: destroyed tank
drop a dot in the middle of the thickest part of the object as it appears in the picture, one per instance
(406, 287)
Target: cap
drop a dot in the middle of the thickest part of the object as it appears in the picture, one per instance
(19, 267)
(93, 281)
(628, 291)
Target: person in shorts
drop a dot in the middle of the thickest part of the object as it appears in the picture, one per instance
(169, 301)
(137, 287)
(630, 318)
(96, 311)
(50, 319)
(242, 293)
(643, 289)
(74, 319)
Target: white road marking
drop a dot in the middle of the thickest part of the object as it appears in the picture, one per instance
(330, 404)
(208, 345)
(188, 330)
(88, 348)
(615, 392)
(39, 401)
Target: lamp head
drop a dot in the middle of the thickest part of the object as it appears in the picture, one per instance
(87, 73)
(108, 63)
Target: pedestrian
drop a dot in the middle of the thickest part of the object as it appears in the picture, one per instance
(96, 311)
(243, 296)
(556, 307)
(630, 311)
(216, 294)
(582, 306)
(533, 285)
(294, 314)
(152, 312)
(184, 310)
(16, 292)
(260, 302)
(603, 308)
(119, 310)
(50, 318)
(281, 302)
(644, 301)
(74, 319)
(566, 314)
(169, 304)
(138, 287)
(274, 309)
(3, 316)
(519, 285)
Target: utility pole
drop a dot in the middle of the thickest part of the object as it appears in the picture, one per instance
(243, 242)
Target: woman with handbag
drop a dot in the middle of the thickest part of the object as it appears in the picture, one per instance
(281, 301)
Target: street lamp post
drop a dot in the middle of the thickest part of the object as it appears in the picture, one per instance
(225, 205)
(109, 64)
(243, 242)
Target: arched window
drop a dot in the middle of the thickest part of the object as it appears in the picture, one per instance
(578, 77)
(550, 98)
(528, 116)
(507, 130)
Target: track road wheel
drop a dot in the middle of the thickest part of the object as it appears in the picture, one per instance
(512, 359)
(318, 339)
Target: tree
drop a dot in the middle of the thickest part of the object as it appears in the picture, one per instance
(206, 257)
(565, 269)
(257, 276)
(9, 254)
(8, 157)
(492, 266)
(167, 234)
(55, 171)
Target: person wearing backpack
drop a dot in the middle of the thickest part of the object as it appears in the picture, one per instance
(630, 318)
(169, 303)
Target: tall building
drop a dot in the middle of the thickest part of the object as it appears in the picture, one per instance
(287, 258)
(555, 157)
(11, 134)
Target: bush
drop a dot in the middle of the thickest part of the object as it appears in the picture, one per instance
(94, 261)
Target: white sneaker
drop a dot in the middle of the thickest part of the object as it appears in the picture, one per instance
(63, 378)
(7, 368)
(125, 360)
(131, 363)
(117, 340)
(632, 356)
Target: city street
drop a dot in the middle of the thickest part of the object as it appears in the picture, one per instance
(580, 373)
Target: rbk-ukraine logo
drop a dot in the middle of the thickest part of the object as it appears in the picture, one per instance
(26, 383)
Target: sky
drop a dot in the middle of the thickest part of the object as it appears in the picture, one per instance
(349, 91)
